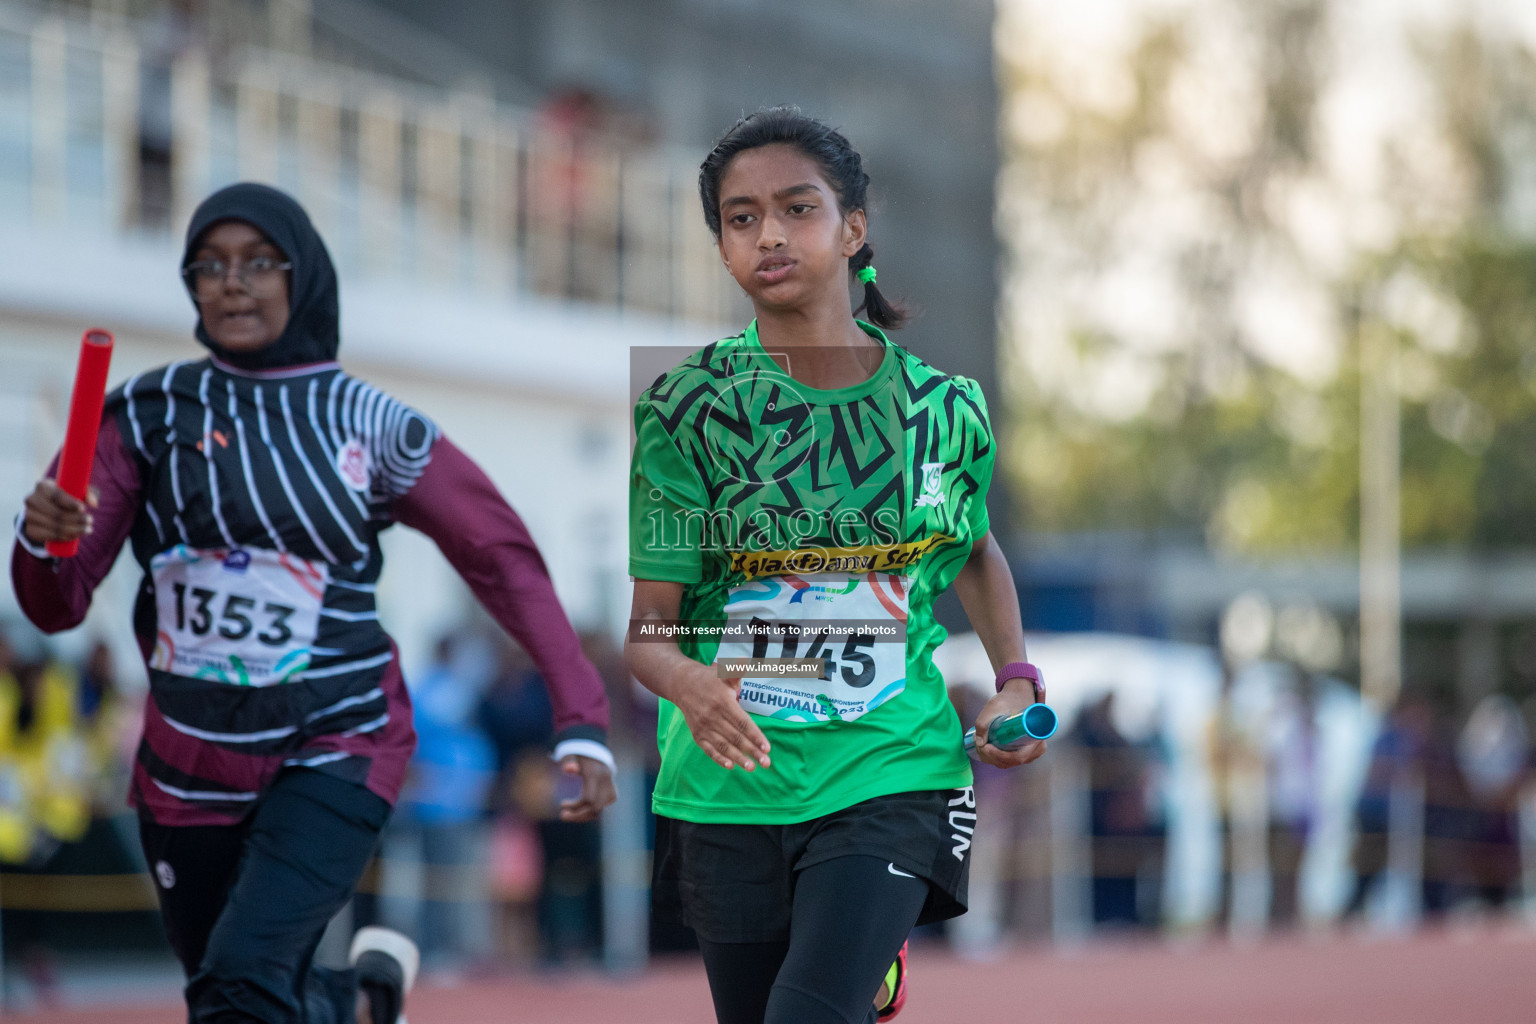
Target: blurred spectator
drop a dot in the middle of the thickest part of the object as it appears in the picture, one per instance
(1118, 819)
(1416, 759)
(1149, 884)
(1238, 766)
(45, 787)
(566, 184)
(98, 683)
(515, 712)
(111, 724)
(573, 188)
(1451, 821)
(442, 808)
(633, 708)
(573, 113)
(1397, 752)
(1492, 752)
(517, 717)
(570, 905)
(1293, 792)
(524, 796)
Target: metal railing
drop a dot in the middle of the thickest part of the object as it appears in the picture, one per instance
(403, 181)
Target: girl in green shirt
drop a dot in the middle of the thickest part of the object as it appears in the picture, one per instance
(800, 495)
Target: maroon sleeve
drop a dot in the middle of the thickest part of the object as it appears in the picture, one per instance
(55, 593)
(456, 504)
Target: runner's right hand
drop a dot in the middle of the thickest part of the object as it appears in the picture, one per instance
(52, 513)
(710, 705)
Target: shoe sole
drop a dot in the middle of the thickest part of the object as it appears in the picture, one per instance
(391, 943)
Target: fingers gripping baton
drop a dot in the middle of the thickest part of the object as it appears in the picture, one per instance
(85, 403)
(1036, 722)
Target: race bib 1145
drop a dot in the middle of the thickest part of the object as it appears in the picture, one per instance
(847, 622)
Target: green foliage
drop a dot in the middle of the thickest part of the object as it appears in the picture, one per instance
(1217, 434)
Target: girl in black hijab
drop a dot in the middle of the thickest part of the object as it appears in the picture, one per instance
(253, 485)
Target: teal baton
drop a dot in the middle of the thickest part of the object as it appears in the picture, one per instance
(1036, 722)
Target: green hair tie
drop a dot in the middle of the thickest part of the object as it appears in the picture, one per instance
(867, 275)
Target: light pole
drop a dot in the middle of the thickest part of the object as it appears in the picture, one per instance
(1381, 609)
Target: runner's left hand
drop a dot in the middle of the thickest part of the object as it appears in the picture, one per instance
(597, 789)
(1017, 695)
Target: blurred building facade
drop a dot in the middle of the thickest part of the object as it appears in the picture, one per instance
(508, 191)
(910, 82)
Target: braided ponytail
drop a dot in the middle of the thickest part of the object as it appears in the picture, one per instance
(877, 309)
(840, 164)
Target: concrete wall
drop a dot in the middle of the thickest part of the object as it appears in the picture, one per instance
(910, 82)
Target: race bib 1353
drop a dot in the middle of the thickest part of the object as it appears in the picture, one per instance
(245, 616)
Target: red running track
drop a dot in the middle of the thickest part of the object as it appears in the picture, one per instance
(1483, 974)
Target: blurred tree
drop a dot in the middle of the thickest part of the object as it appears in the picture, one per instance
(1205, 206)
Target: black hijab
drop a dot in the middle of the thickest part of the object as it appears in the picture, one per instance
(313, 331)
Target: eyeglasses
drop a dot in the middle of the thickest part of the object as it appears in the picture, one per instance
(259, 276)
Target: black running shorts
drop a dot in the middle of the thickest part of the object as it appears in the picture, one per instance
(735, 883)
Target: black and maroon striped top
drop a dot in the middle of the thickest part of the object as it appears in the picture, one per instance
(254, 501)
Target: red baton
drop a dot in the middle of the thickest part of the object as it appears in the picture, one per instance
(85, 403)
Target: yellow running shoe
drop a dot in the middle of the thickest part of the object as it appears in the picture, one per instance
(894, 990)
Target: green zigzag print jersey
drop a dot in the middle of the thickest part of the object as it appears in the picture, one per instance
(813, 523)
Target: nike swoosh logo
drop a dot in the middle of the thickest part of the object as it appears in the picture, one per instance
(893, 869)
